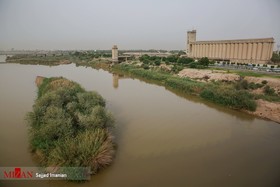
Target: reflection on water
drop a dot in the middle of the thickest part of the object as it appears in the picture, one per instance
(116, 78)
(163, 140)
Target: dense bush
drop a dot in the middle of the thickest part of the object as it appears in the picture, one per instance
(201, 64)
(70, 127)
(204, 61)
(193, 65)
(184, 60)
(157, 62)
(237, 99)
(172, 58)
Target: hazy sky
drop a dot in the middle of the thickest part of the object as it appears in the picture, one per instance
(132, 24)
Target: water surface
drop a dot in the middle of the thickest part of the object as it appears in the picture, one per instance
(163, 139)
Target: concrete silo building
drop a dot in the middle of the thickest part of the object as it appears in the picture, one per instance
(242, 50)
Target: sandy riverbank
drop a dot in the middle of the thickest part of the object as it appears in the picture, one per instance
(265, 109)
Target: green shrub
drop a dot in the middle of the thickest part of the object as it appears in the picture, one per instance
(184, 60)
(268, 90)
(157, 62)
(204, 61)
(185, 85)
(237, 99)
(69, 126)
(264, 82)
(193, 64)
(254, 86)
(93, 148)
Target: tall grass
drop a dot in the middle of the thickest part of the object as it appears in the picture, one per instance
(70, 126)
(237, 99)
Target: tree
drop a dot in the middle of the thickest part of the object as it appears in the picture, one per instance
(157, 62)
(275, 58)
(172, 58)
(144, 57)
(185, 60)
(204, 61)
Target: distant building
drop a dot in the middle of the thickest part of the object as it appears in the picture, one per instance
(243, 50)
(115, 56)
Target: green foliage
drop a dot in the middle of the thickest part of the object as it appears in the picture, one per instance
(243, 84)
(254, 74)
(193, 65)
(275, 58)
(157, 62)
(91, 148)
(215, 92)
(270, 98)
(201, 64)
(184, 60)
(177, 68)
(264, 82)
(145, 66)
(213, 62)
(185, 85)
(38, 59)
(68, 120)
(204, 61)
(254, 86)
(268, 90)
(172, 58)
(237, 99)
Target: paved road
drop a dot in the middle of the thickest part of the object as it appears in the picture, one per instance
(240, 68)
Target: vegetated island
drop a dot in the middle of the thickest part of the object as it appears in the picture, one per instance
(256, 93)
(70, 127)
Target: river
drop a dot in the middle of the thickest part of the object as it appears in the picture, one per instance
(163, 139)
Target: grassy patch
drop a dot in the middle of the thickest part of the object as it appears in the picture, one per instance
(237, 99)
(254, 74)
(37, 59)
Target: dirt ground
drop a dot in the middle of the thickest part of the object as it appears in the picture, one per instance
(208, 75)
(272, 82)
(267, 110)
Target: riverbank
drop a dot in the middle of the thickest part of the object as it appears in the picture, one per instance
(70, 126)
(225, 89)
(222, 87)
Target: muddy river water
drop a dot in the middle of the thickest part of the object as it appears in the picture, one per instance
(164, 140)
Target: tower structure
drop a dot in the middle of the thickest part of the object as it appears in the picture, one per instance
(115, 53)
(191, 38)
